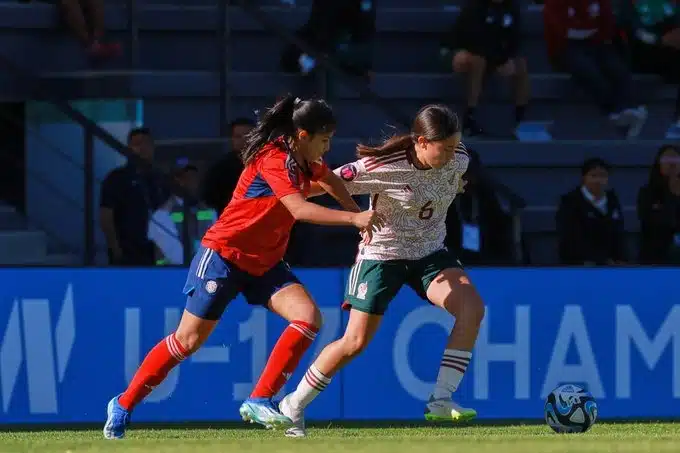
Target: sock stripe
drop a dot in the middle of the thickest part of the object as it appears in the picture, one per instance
(319, 375)
(459, 362)
(174, 347)
(303, 330)
(315, 382)
(461, 355)
(455, 366)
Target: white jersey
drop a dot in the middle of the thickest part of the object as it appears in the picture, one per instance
(413, 201)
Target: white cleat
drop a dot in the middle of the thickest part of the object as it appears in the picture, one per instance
(447, 410)
(296, 416)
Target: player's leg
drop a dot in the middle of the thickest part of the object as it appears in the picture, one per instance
(475, 68)
(446, 285)
(284, 295)
(210, 285)
(371, 287)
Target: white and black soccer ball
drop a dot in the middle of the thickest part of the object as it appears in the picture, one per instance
(570, 409)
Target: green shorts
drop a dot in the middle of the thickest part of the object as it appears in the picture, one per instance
(372, 284)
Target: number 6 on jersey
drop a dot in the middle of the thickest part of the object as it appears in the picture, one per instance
(426, 211)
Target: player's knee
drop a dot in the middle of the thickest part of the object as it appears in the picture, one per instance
(465, 61)
(467, 307)
(191, 341)
(474, 309)
(311, 315)
(353, 344)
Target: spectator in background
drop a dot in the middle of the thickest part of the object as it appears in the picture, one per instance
(129, 195)
(476, 224)
(221, 178)
(652, 28)
(342, 29)
(166, 227)
(658, 208)
(579, 34)
(590, 221)
(85, 18)
(485, 40)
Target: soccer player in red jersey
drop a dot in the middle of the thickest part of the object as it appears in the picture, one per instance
(243, 253)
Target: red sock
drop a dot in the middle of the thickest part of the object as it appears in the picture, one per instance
(156, 365)
(284, 358)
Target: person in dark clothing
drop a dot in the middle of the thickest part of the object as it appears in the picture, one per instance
(343, 29)
(590, 221)
(652, 29)
(129, 194)
(484, 40)
(658, 208)
(477, 227)
(221, 178)
(578, 36)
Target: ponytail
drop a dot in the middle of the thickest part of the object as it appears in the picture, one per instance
(276, 121)
(390, 146)
(434, 122)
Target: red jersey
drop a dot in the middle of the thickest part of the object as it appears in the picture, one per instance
(577, 20)
(254, 228)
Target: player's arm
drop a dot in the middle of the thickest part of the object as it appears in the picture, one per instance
(316, 190)
(273, 170)
(305, 211)
(335, 187)
(462, 161)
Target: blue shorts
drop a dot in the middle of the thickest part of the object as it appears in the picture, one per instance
(213, 282)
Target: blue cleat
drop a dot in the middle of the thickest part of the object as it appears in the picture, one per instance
(117, 419)
(264, 412)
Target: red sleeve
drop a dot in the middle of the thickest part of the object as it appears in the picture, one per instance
(555, 17)
(272, 167)
(607, 20)
(319, 170)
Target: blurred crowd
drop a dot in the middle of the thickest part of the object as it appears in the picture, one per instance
(598, 43)
(143, 220)
(590, 220)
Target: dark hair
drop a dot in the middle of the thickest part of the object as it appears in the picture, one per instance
(284, 118)
(656, 183)
(143, 130)
(593, 163)
(435, 122)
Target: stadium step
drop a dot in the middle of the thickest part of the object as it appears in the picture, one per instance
(268, 85)
(407, 39)
(61, 259)
(22, 247)
(10, 219)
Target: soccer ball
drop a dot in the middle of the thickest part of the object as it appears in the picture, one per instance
(570, 409)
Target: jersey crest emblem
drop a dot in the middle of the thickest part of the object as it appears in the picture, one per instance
(211, 286)
(362, 290)
(348, 172)
(293, 171)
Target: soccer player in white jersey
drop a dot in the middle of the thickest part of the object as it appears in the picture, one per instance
(412, 179)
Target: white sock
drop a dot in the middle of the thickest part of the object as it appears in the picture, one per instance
(313, 383)
(453, 366)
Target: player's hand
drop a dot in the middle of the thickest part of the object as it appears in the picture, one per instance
(366, 236)
(369, 220)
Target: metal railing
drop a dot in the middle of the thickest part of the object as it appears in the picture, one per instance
(92, 131)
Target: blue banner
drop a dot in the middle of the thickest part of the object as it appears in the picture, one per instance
(71, 339)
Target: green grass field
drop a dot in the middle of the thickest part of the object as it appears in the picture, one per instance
(633, 438)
